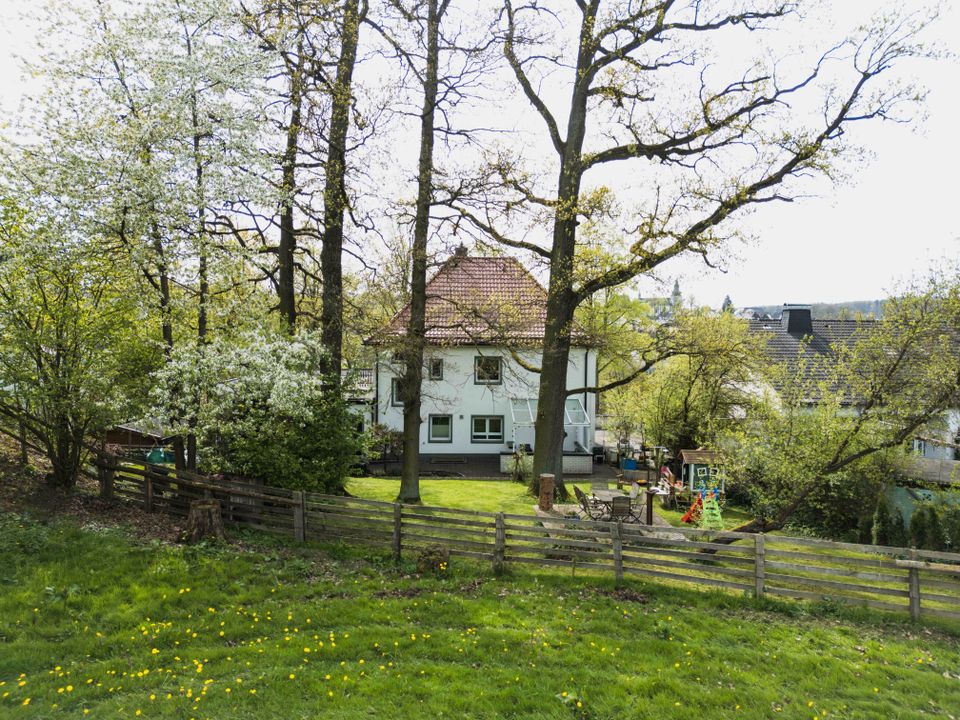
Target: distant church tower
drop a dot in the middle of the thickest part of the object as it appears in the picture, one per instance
(676, 298)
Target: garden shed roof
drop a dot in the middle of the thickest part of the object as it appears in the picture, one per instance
(698, 457)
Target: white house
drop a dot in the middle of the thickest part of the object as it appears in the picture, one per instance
(485, 322)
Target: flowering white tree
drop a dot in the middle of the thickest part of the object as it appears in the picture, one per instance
(269, 412)
(147, 132)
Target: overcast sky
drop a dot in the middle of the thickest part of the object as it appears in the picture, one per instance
(894, 219)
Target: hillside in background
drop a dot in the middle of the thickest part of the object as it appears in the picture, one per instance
(829, 311)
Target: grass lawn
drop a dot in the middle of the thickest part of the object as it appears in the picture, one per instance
(487, 495)
(94, 624)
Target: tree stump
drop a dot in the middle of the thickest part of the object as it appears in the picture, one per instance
(205, 521)
(434, 560)
(546, 492)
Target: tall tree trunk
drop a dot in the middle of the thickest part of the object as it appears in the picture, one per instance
(286, 251)
(561, 298)
(549, 431)
(166, 327)
(203, 260)
(334, 196)
(416, 329)
(24, 455)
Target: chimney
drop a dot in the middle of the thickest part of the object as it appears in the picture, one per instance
(461, 251)
(796, 320)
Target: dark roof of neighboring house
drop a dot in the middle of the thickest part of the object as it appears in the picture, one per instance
(479, 301)
(813, 346)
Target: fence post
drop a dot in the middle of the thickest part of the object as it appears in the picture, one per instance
(913, 577)
(759, 572)
(107, 470)
(615, 530)
(147, 493)
(299, 517)
(397, 530)
(650, 496)
(500, 544)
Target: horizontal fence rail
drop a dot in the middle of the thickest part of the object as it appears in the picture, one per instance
(918, 582)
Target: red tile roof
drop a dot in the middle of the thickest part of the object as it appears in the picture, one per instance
(480, 301)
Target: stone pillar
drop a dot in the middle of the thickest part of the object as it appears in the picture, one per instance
(546, 491)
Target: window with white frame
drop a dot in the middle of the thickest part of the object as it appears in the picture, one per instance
(435, 368)
(487, 370)
(919, 447)
(440, 429)
(486, 428)
(395, 399)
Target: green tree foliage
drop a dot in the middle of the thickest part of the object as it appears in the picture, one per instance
(710, 381)
(72, 358)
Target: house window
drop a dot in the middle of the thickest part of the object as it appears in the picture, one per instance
(486, 428)
(487, 370)
(435, 368)
(395, 398)
(440, 429)
(919, 446)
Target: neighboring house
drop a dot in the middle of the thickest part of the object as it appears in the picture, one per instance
(146, 439)
(806, 345)
(802, 342)
(485, 320)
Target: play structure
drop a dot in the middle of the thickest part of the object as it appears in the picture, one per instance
(705, 510)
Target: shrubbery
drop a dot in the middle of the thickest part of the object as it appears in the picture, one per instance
(934, 525)
(268, 413)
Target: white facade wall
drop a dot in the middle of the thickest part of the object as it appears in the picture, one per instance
(458, 395)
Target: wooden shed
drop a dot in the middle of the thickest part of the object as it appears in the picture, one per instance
(700, 468)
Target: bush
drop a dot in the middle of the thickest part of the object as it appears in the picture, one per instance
(918, 527)
(951, 526)
(934, 527)
(934, 538)
(898, 534)
(268, 413)
(882, 522)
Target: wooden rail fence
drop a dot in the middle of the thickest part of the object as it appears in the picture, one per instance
(922, 582)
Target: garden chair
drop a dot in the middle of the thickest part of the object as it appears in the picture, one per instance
(624, 510)
(590, 508)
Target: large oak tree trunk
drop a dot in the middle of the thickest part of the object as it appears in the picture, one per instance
(335, 197)
(561, 300)
(416, 330)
